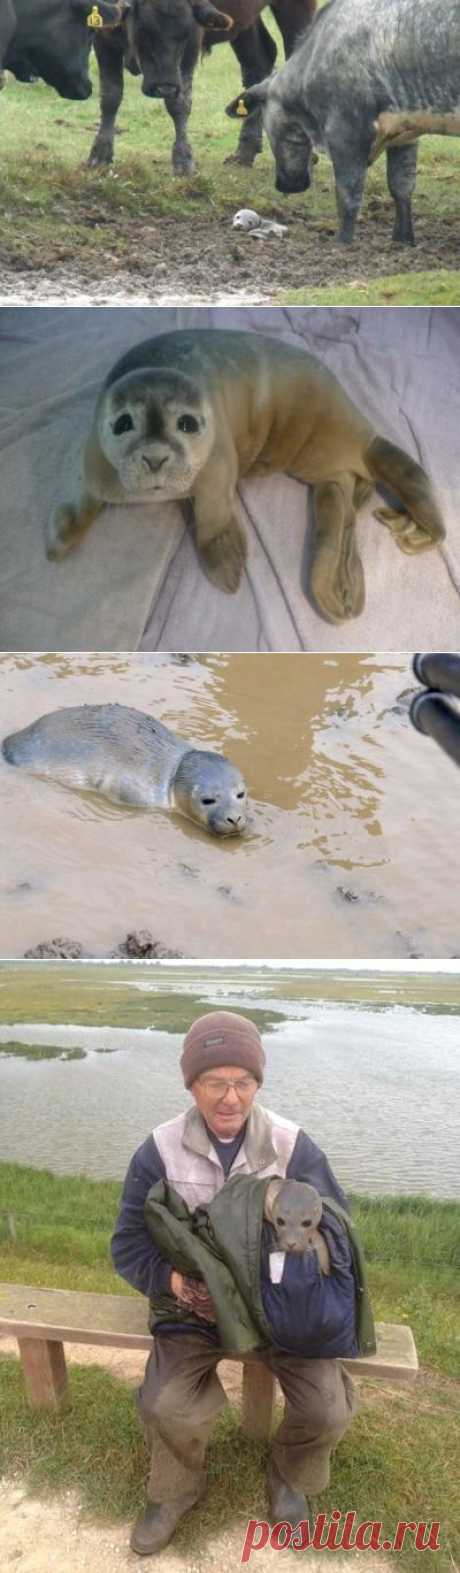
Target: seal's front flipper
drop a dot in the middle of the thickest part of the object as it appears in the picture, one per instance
(68, 524)
(336, 576)
(223, 558)
(420, 524)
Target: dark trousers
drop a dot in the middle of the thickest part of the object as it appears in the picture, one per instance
(181, 1395)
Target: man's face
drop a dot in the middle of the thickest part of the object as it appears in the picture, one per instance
(225, 1107)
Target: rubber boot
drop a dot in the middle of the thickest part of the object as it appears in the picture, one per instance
(286, 1504)
(156, 1525)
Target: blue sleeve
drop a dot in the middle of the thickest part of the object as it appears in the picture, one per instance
(308, 1162)
(134, 1255)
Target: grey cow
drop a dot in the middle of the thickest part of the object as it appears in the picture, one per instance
(357, 58)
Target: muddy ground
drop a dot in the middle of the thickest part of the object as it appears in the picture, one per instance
(169, 260)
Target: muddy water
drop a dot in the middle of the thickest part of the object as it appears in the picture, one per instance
(352, 847)
(377, 1090)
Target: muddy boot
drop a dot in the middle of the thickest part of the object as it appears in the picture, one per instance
(286, 1504)
(156, 1525)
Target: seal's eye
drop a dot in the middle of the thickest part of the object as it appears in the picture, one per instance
(306, 1223)
(207, 801)
(188, 423)
(241, 794)
(123, 423)
(280, 1221)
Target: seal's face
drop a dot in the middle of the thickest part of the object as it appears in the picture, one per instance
(210, 790)
(157, 431)
(294, 1210)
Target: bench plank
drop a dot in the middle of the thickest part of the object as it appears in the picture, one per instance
(68, 1316)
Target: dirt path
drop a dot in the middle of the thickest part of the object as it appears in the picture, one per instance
(54, 1536)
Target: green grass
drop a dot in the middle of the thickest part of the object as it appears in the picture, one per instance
(400, 1459)
(58, 211)
(399, 289)
(41, 1051)
(86, 995)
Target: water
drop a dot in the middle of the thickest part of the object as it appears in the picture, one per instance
(352, 847)
(377, 1090)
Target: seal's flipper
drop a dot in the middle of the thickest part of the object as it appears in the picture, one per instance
(336, 576)
(68, 524)
(223, 558)
(420, 525)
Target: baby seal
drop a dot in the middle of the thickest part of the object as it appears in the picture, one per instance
(186, 414)
(131, 758)
(295, 1209)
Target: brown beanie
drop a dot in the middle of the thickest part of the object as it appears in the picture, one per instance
(221, 1038)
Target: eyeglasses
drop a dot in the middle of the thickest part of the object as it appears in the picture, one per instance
(215, 1086)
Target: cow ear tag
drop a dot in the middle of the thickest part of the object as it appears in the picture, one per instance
(94, 19)
(241, 110)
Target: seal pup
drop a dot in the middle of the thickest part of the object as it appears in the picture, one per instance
(295, 1209)
(130, 758)
(186, 414)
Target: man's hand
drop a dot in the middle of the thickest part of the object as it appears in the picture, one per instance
(192, 1292)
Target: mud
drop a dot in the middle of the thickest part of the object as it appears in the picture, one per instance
(351, 846)
(173, 260)
(138, 946)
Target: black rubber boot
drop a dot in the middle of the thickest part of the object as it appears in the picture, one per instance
(286, 1504)
(156, 1525)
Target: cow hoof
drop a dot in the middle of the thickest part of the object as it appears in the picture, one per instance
(183, 165)
(245, 159)
(100, 157)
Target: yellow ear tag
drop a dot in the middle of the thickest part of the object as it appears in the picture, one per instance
(241, 109)
(94, 19)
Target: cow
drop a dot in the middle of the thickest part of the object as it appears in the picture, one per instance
(358, 59)
(161, 40)
(52, 39)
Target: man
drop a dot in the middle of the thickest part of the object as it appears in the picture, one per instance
(222, 1134)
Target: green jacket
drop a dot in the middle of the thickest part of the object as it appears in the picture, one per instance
(221, 1243)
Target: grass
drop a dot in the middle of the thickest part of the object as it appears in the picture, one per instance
(401, 289)
(401, 1457)
(41, 1051)
(58, 211)
(86, 995)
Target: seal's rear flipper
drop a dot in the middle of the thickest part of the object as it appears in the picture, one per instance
(336, 575)
(420, 526)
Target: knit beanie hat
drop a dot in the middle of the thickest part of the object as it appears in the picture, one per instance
(221, 1038)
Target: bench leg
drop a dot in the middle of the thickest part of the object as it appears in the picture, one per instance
(45, 1372)
(258, 1399)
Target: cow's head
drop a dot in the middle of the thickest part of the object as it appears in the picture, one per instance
(58, 41)
(163, 29)
(284, 123)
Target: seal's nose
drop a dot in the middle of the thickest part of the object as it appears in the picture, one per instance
(234, 819)
(153, 464)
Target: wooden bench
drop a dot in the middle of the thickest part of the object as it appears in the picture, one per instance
(43, 1320)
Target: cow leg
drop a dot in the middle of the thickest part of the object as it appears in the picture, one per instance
(255, 51)
(292, 17)
(350, 167)
(179, 109)
(110, 64)
(401, 173)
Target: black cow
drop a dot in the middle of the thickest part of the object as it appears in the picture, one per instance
(53, 40)
(162, 40)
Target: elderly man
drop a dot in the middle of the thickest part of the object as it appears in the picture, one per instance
(224, 1133)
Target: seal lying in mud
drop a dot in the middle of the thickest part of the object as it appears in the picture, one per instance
(295, 1209)
(185, 415)
(131, 758)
